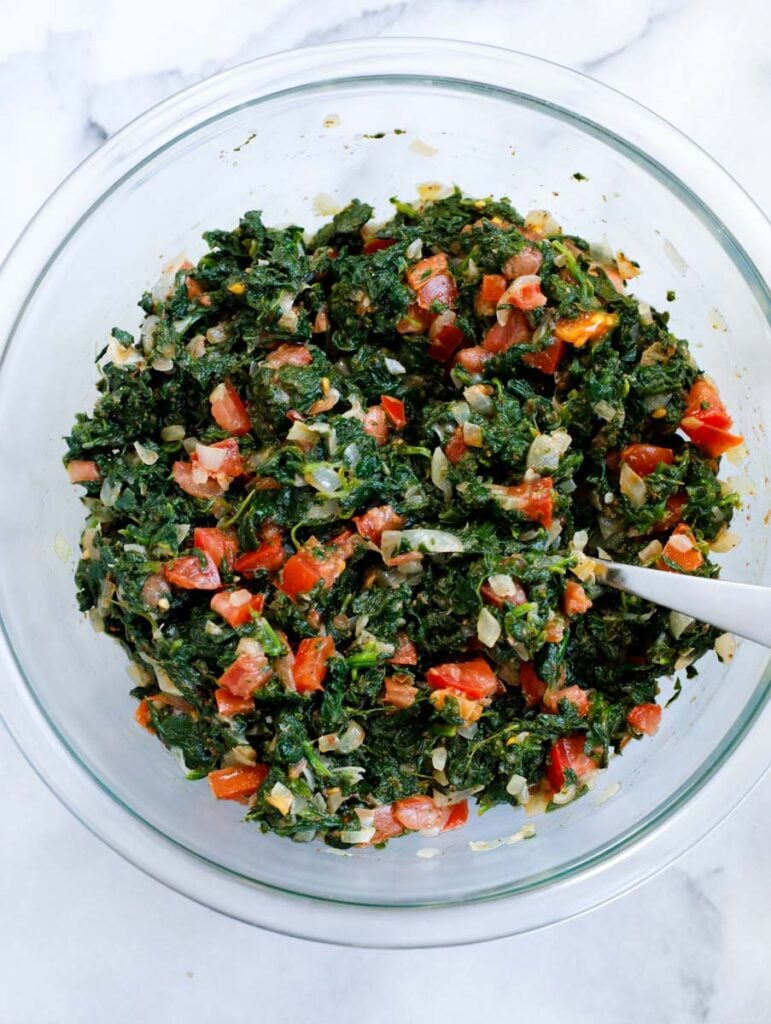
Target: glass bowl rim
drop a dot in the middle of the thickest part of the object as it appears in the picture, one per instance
(117, 160)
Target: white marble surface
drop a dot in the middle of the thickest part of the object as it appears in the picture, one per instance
(693, 944)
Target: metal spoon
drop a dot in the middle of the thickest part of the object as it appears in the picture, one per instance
(739, 608)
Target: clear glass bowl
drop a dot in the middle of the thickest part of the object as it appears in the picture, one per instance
(273, 135)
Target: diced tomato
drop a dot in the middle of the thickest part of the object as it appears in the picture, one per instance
(473, 358)
(300, 574)
(228, 411)
(195, 291)
(490, 597)
(142, 716)
(238, 781)
(555, 630)
(681, 549)
(415, 320)
(394, 410)
(568, 754)
(224, 457)
(386, 825)
(81, 471)
(501, 337)
(376, 244)
(674, 511)
(221, 545)
(246, 675)
(447, 340)
(192, 572)
(289, 355)
(373, 522)
(528, 261)
(524, 293)
(418, 813)
(456, 447)
(491, 289)
(236, 606)
(185, 474)
(705, 404)
(573, 694)
(268, 556)
(376, 424)
(711, 440)
(399, 691)
(585, 327)
(533, 687)
(534, 500)
(228, 704)
(548, 359)
(644, 458)
(343, 544)
(474, 678)
(310, 663)
(458, 816)
(575, 601)
(439, 288)
(645, 718)
(406, 652)
(424, 270)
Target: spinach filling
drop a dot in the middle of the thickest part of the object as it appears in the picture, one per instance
(341, 492)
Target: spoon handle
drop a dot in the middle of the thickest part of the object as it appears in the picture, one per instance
(740, 608)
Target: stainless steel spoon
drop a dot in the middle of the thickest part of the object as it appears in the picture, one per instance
(740, 608)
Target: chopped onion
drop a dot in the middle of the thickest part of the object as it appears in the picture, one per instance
(146, 455)
(725, 541)
(281, 798)
(351, 455)
(210, 458)
(479, 397)
(433, 542)
(109, 492)
(445, 319)
(542, 223)
(335, 799)
(439, 758)
(448, 799)
(488, 628)
(565, 796)
(243, 754)
(302, 434)
(366, 816)
(414, 250)
(632, 486)
(725, 646)
(473, 435)
(517, 787)
(217, 335)
(601, 252)
(212, 628)
(678, 623)
(162, 287)
(394, 366)
(546, 451)
(650, 552)
(123, 355)
(460, 412)
(163, 365)
(329, 742)
(504, 586)
(471, 273)
(645, 312)
(250, 647)
(324, 478)
(174, 432)
(352, 738)
(605, 410)
(357, 836)
(146, 332)
(289, 318)
(685, 659)
(440, 468)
